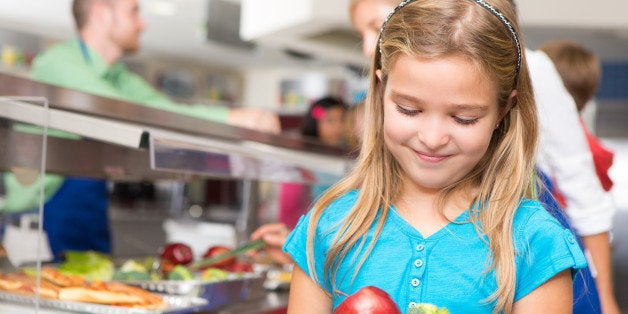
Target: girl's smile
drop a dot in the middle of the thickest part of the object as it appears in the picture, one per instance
(431, 158)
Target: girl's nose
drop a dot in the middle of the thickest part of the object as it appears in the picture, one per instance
(433, 134)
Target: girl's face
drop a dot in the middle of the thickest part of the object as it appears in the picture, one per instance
(331, 126)
(439, 116)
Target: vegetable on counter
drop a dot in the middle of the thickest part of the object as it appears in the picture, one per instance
(214, 274)
(180, 272)
(132, 270)
(427, 308)
(90, 265)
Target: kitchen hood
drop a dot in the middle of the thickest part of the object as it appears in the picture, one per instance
(317, 28)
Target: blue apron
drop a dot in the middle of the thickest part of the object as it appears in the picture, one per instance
(75, 218)
(586, 299)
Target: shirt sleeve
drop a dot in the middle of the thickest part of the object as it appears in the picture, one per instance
(544, 248)
(564, 153)
(326, 230)
(144, 93)
(296, 243)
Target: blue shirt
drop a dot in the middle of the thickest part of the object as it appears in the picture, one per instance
(448, 268)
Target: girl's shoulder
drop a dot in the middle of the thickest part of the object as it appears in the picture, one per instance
(532, 212)
(339, 207)
(533, 223)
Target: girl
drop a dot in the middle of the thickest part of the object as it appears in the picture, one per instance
(324, 121)
(439, 207)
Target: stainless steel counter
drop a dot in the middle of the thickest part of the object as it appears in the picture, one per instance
(174, 143)
(270, 302)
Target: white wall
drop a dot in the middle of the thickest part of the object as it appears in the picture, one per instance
(578, 13)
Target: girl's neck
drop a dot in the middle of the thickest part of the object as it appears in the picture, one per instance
(423, 210)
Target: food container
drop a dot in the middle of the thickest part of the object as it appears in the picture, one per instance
(175, 305)
(236, 288)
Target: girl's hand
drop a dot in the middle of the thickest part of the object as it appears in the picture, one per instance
(274, 235)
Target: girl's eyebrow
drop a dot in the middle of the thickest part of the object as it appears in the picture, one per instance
(400, 96)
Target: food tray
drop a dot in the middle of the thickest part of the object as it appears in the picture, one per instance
(236, 288)
(175, 305)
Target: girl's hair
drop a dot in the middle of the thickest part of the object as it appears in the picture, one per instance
(436, 29)
(316, 112)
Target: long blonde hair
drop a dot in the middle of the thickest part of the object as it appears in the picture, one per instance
(433, 29)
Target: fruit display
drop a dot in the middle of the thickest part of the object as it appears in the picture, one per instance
(174, 254)
(216, 251)
(368, 300)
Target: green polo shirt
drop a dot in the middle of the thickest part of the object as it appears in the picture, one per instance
(75, 66)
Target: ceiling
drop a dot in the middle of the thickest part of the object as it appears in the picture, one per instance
(175, 29)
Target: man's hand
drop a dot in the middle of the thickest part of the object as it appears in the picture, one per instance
(255, 118)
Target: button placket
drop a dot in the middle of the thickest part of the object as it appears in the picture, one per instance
(417, 270)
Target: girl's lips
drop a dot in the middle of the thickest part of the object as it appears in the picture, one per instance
(431, 157)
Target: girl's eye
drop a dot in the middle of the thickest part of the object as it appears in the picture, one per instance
(408, 112)
(465, 121)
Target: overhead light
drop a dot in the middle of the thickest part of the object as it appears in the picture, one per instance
(161, 7)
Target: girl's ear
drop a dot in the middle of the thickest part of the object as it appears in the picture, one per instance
(511, 102)
(379, 74)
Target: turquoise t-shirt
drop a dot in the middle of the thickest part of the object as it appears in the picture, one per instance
(448, 267)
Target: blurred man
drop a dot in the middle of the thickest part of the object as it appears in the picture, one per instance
(76, 208)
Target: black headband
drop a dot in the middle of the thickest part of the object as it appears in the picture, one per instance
(485, 5)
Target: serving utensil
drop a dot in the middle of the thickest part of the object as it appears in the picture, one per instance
(208, 262)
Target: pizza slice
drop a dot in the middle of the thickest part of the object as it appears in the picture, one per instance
(62, 280)
(24, 284)
(112, 293)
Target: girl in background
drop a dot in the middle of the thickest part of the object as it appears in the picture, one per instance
(440, 207)
(323, 122)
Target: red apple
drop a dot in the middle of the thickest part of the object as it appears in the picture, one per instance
(177, 254)
(217, 250)
(239, 267)
(368, 300)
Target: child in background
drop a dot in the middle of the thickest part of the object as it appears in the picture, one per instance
(440, 207)
(324, 122)
(581, 72)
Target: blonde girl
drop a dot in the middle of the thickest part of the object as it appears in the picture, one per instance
(440, 207)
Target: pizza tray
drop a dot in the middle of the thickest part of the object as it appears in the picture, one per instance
(236, 288)
(175, 305)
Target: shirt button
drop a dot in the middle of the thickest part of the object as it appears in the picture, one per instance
(411, 304)
(420, 247)
(418, 263)
(415, 282)
(571, 239)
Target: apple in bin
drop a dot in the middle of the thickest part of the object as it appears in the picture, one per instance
(368, 300)
(217, 250)
(173, 254)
